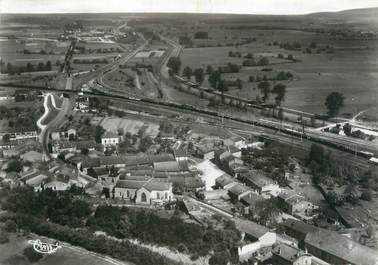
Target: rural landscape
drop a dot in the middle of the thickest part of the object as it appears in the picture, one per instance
(189, 138)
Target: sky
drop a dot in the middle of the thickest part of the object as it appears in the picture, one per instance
(192, 6)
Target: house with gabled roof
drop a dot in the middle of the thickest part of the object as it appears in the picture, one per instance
(145, 191)
(110, 139)
(338, 249)
(261, 184)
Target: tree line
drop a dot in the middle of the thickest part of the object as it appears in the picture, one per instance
(9, 68)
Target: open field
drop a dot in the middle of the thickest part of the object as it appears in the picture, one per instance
(12, 51)
(11, 254)
(351, 69)
(127, 125)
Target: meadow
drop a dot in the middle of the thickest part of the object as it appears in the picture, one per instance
(351, 68)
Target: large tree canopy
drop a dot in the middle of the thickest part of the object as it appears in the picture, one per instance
(334, 102)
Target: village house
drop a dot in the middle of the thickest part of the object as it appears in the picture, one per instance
(261, 184)
(58, 182)
(255, 237)
(110, 139)
(288, 200)
(36, 178)
(115, 161)
(171, 167)
(250, 201)
(238, 191)
(289, 255)
(338, 249)
(225, 181)
(205, 152)
(148, 191)
(4, 145)
(19, 133)
(296, 229)
(236, 152)
(180, 155)
(235, 141)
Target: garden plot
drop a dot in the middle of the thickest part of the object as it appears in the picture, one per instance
(127, 125)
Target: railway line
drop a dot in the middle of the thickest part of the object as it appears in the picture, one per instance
(364, 150)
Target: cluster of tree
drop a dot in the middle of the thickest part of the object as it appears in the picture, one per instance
(85, 238)
(234, 54)
(291, 45)
(201, 35)
(334, 102)
(91, 61)
(281, 76)
(279, 90)
(84, 50)
(148, 33)
(42, 52)
(149, 227)
(216, 81)
(19, 117)
(17, 69)
(76, 25)
(327, 171)
(229, 68)
(198, 74)
(174, 63)
(186, 41)
(251, 62)
(128, 143)
(166, 127)
(273, 160)
(61, 208)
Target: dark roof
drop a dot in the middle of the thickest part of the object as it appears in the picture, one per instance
(161, 158)
(298, 226)
(17, 130)
(101, 171)
(130, 184)
(342, 247)
(91, 162)
(137, 160)
(150, 184)
(169, 166)
(180, 152)
(251, 228)
(286, 252)
(224, 180)
(112, 160)
(154, 184)
(109, 135)
(232, 149)
(251, 199)
(238, 189)
(86, 144)
(258, 178)
(183, 165)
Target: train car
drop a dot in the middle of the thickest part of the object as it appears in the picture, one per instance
(374, 161)
(366, 154)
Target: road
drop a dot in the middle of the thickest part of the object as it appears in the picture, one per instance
(64, 111)
(102, 72)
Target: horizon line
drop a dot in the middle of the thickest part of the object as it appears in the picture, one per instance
(182, 12)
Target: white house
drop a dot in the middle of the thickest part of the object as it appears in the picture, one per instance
(110, 139)
(145, 191)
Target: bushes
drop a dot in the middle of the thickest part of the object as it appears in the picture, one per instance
(32, 255)
(173, 232)
(84, 238)
(4, 237)
(10, 226)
